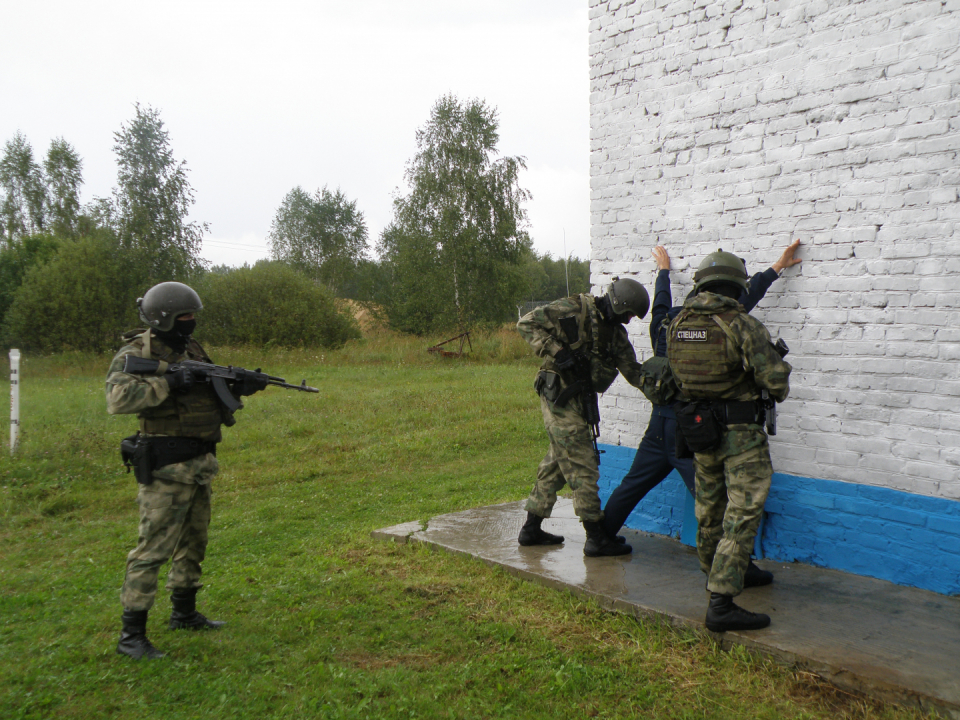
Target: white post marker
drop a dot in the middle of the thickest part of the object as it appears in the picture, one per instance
(14, 399)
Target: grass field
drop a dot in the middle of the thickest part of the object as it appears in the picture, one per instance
(323, 621)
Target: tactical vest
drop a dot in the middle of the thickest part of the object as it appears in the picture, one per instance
(595, 339)
(705, 357)
(196, 413)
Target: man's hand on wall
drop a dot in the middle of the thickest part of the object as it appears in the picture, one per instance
(663, 260)
(787, 259)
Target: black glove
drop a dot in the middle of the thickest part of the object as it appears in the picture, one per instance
(565, 360)
(249, 383)
(181, 380)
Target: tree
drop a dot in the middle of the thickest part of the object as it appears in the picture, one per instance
(152, 200)
(323, 236)
(63, 175)
(24, 195)
(550, 279)
(457, 240)
(17, 258)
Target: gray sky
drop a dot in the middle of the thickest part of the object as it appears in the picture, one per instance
(261, 97)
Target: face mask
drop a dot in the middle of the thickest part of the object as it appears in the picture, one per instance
(185, 327)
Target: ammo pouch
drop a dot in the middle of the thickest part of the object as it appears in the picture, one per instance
(547, 385)
(144, 455)
(657, 382)
(699, 425)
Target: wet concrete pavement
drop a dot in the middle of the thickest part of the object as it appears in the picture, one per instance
(892, 642)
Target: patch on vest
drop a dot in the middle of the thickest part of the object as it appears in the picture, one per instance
(692, 335)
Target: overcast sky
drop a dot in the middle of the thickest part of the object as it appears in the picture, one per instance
(261, 97)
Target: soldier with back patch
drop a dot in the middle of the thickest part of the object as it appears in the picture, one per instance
(723, 361)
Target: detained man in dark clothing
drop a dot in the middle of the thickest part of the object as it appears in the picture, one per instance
(656, 456)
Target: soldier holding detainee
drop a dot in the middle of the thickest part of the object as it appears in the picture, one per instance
(584, 346)
(656, 456)
(724, 363)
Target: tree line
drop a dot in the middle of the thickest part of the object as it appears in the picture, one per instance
(457, 253)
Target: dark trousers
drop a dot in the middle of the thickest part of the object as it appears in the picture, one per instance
(656, 458)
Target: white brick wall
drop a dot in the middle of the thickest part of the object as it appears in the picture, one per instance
(748, 123)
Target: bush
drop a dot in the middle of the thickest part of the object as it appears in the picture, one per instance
(270, 304)
(82, 299)
(16, 258)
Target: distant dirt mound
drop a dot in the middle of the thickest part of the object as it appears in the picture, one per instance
(369, 324)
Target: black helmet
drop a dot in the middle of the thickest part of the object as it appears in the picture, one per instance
(628, 296)
(720, 267)
(162, 304)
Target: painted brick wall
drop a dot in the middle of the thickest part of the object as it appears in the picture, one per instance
(746, 124)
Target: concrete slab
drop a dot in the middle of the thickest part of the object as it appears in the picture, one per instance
(887, 641)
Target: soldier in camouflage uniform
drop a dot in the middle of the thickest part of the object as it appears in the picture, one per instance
(584, 344)
(180, 423)
(722, 359)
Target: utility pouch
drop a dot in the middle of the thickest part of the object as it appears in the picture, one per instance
(657, 382)
(136, 455)
(547, 385)
(697, 422)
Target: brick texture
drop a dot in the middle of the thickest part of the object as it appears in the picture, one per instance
(745, 124)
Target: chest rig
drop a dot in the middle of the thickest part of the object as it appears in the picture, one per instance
(194, 414)
(584, 331)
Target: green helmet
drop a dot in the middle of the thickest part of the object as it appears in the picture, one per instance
(162, 304)
(720, 267)
(628, 296)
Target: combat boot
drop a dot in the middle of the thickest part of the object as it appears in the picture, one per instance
(185, 615)
(755, 577)
(133, 636)
(599, 543)
(724, 615)
(531, 534)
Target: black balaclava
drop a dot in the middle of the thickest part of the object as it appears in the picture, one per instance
(606, 311)
(178, 337)
(727, 289)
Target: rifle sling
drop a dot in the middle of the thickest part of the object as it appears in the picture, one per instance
(568, 393)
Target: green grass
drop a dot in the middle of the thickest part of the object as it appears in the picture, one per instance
(322, 620)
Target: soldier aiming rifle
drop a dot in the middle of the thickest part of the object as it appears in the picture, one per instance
(181, 399)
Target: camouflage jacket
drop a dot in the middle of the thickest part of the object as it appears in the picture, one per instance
(196, 413)
(548, 329)
(717, 351)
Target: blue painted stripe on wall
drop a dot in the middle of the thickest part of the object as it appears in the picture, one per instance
(888, 534)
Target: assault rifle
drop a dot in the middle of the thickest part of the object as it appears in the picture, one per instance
(769, 404)
(589, 400)
(216, 375)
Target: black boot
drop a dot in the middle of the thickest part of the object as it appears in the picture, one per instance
(531, 534)
(723, 615)
(133, 636)
(599, 543)
(755, 577)
(185, 613)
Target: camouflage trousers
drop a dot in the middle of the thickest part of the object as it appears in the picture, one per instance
(569, 461)
(174, 519)
(733, 482)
